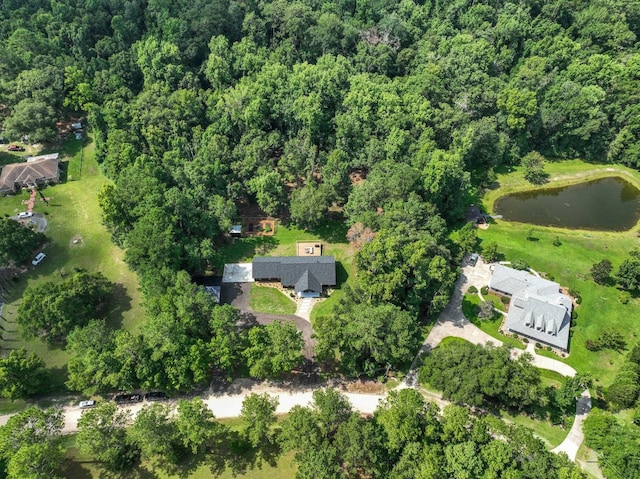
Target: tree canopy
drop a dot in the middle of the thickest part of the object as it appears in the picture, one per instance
(17, 243)
(51, 310)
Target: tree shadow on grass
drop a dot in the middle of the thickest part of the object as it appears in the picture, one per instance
(58, 376)
(120, 302)
(241, 249)
(342, 275)
(78, 470)
(334, 230)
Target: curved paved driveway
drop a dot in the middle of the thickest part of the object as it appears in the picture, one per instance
(452, 322)
(237, 295)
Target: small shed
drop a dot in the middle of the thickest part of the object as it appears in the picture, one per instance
(235, 231)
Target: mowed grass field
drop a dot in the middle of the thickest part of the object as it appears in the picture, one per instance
(265, 299)
(570, 264)
(73, 213)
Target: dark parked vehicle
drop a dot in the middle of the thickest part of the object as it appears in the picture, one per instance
(15, 148)
(155, 396)
(127, 398)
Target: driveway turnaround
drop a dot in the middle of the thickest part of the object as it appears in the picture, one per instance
(237, 295)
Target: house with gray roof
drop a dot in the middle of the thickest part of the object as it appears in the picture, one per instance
(538, 310)
(36, 171)
(307, 275)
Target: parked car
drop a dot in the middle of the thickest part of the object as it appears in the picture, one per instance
(24, 214)
(15, 148)
(39, 257)
(86, 404)
(127, 398)
(155, 396)
(473, 259)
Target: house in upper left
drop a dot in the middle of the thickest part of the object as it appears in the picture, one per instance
(35, 172)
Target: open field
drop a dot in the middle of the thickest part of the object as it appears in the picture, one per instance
(73, 214)
(570, 263)
(265, 299)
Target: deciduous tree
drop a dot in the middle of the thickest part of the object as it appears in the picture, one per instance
(51, 310)
(22, 374)
(273, 350)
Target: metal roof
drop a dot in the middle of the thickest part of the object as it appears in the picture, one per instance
(538, 309)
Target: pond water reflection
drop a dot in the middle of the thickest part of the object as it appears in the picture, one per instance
(608, 204)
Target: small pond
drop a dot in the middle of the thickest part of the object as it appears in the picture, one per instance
(607, 204)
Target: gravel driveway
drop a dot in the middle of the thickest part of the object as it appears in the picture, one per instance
(237, 295)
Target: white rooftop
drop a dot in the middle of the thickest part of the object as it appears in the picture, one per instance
(538, 309)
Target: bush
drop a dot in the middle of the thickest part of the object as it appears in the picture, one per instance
(472, 290)
(484, 290)
(576, 295)
(538, 345)
(592, 345)
(520, 264)
(624, 297)
(505, 299)
(574, 314)
(525, 340)
(610, 338)
(556, 241)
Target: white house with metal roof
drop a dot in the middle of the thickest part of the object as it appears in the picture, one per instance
(538, 310)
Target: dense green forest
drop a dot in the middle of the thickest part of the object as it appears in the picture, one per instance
(201, 109)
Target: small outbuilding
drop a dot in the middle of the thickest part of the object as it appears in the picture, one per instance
(235, 231)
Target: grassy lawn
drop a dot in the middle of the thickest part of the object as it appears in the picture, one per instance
(549, 433)
(551, 378)
(265, 299)
(73, 214)
(570, 263)
(83, 466)
(588, 461)
(492, 326)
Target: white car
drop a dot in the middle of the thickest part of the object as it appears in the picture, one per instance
(39, 257)
(25, 214)
(86, 404)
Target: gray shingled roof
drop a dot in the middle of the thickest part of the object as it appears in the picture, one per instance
(307, 282)
(303, 273)
(39, 170)
(538, 309)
